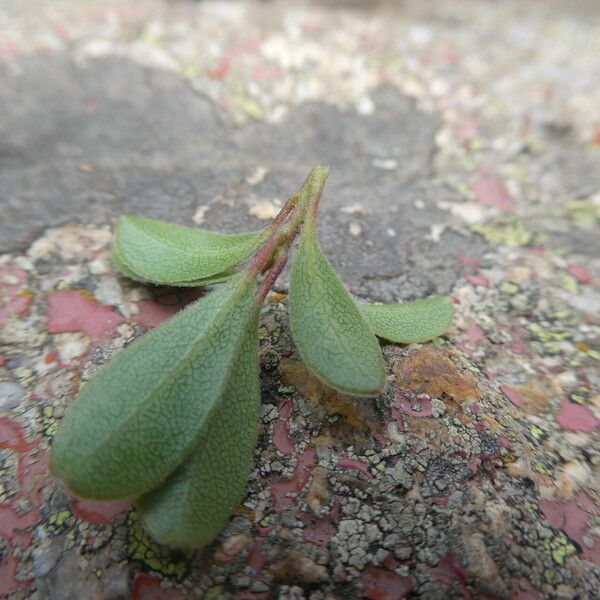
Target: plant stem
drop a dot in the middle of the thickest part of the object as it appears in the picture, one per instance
(279, 263)
(285, 228)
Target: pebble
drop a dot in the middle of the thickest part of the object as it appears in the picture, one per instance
(11, 395)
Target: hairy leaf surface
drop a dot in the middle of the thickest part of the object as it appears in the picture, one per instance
(190, 508)
(332, 336)
(409, 322)
(140, 417)
(214, 279)
(170, 254)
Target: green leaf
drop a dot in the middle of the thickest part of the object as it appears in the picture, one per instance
(169, 254)
(409, 322)
(142, 415)
(190, 508)
(332, 336)
(218, 278)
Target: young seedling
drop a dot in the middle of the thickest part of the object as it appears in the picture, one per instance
(171, 422)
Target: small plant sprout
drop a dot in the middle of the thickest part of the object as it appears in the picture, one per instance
(171, 422)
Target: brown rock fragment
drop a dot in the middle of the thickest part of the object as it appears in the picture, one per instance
(429, 370)
(231, 548)
(298, 568)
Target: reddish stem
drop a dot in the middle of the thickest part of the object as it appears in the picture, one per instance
(271, 276)
(286, 209)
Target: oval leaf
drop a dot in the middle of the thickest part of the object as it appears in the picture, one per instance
(332, 336)
(169, 254)
(191, 507)
(214, 279)
(140, 417)
(409, 322)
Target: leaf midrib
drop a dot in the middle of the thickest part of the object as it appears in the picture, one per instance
(317, 253)
(188, 485)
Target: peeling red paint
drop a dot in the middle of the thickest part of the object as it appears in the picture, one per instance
(448, 572)
(439, 501)
(99, 513)
(221, 70)
(11, 522)
(152, 314)
(517, 346)
(477, 279)
(14, 298)
(281, 429)
(468, 261)
(504, 441)
(50, 357)
(301, 477)
(575, 417)
(398, 417)
(356, 465)
(418, 406)
(69, 310)
(380, 584)
(475, 334)
(319, 530)
(512, 395)
(12, 437)
(8, 570)
(256, 558)
(573, 518)
(581, 273)
(147, 587)
(491, 191)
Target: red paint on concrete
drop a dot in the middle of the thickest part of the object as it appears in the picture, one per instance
(12, 522)
(467, 260)
(221, 70)
(12, 437)
(281, 429)
(69, 310)
(319, 532)
(419, 406)
(8, 571)
(581, 273)
(478, 279)
(448, 572)
(512, 395)
(475, 334)
(575, 417)
(491, 191)
(517, 346)
(14, 297)
(279, 491)
(356, 465)
(574, 517)
(147, 587)
(380, 584)
(256, 558)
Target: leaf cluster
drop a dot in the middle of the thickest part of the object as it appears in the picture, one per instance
(171, 421)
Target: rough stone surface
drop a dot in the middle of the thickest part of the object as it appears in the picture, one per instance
(464, 155)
